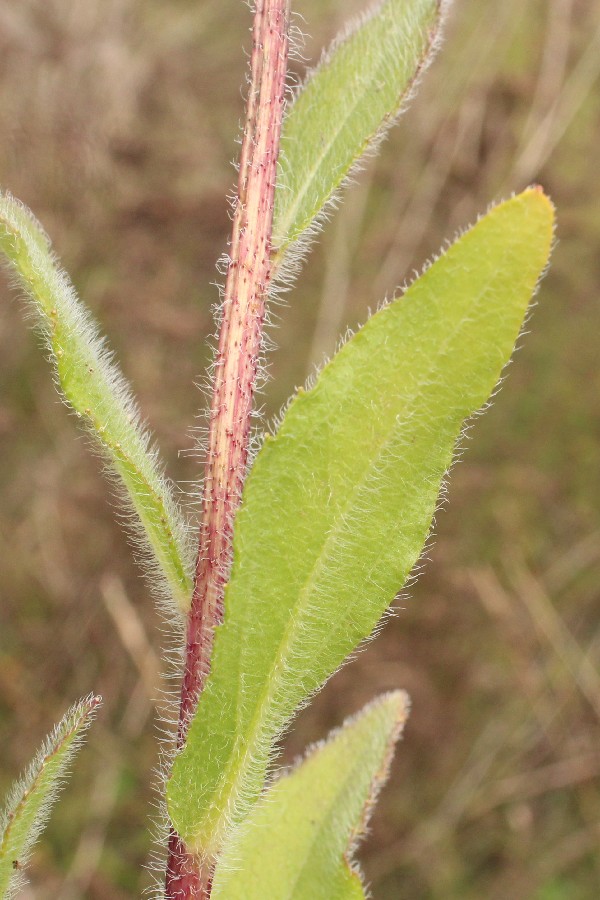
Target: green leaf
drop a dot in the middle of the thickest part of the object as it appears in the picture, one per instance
(345, 107)
(29, 802)
(297, 842)
(338, 505)
(94, 387)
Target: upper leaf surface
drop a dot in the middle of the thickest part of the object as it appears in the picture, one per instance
(30, 800)
(338, 505)
(309, 820)
(346, 105)
(94, 387)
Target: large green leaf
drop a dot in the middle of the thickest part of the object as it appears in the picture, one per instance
(94, 387)
(297, 842)
(30, 800)
(339, 503)
(345, 107)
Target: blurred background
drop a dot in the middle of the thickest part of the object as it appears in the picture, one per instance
(118, 124)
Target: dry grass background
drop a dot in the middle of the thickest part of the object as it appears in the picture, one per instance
(118, 122)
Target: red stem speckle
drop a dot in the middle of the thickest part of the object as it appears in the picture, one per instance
(236, 364)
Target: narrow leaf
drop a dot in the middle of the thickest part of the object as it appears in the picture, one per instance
(346, 105)
(94, 387)
(298, 840)
(29, 802)
(338, 505)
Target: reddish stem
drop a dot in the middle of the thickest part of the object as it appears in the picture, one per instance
(236, 364)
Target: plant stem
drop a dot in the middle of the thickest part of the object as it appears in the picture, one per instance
(236, 365)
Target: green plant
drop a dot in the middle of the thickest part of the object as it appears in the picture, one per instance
(338, 502)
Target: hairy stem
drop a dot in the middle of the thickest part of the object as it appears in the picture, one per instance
(236, 364)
